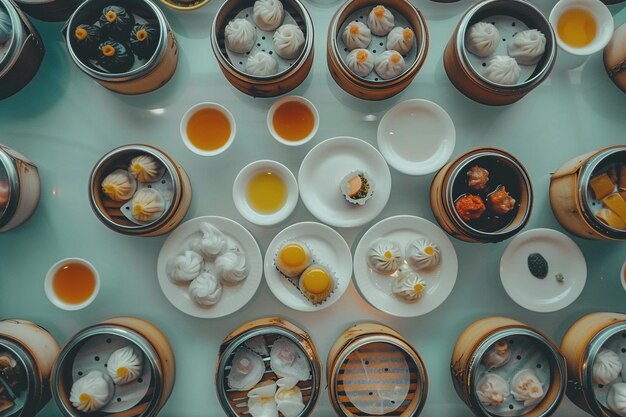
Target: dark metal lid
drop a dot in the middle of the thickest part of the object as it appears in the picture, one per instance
(9, 187)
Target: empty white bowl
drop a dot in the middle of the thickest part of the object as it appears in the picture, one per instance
(240, 192)
(191, 112)
(296, 99)
(416, 137)
(54, 298)
(602, 16)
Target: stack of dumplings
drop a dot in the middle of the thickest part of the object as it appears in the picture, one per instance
(208, 262)
(267, 16)
(357, 36)
(524, 48)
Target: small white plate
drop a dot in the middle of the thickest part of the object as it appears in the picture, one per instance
(416, 137)
(376, 288)
(240, 189)
(329, 249)
(233, 297)
(326, 165)
(547, 294)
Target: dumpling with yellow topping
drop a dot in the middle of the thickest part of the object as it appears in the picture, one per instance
(408, 286)
(316, 283)
(384, 256)
(145, 168)
(423, 253)
(91, 392)
(147, 205)
(124, 365)
(400, 39)
(119, 185)
(293, 258)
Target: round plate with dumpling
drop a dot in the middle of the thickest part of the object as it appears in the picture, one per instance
(234, 295)
(423, 256)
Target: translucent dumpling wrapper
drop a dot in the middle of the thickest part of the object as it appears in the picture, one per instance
(356, 35)
(91, 392)
(400, 39)
(240, 35)
(246, 370)
(119, 185)
(288, 397)
(423, 253)
(258, 344)
(492, 390)
(232, 267)
(389, 64)
(384, 256)
(145, 168)
(360, 61)
(288, 360)
(184, 268)
(498, 355)
(261, 402)
(527, 47)
(147, 205)
(380, 21)
(288, 41)
(616, 399)
(125, 365)
(502, 70)
(268, 14)
(211, 243)
(205, 290)
(261, 64)
(482, 39)
(6, 27)
(408, 286)
(606, 367)
(526, 387)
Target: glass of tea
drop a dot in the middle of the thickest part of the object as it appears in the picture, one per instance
(72, 284)
(293, 120)
(208, 129)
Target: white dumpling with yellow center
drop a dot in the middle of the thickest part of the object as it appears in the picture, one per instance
(356, 35)
(261, 402)
(423, 253)
(145, 168)
(91, 392)
(360, 61)
(492, 390)
(147, 205)
(288, 397)
(389, 65)
(408, 286)
(384, 256)
(400, 39)
(526, 387)
(119, 185)
(380, 21)
(288, 360)
(124, 365)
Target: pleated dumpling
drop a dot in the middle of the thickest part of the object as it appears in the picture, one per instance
(119, 185)
(360, 62)
(91, 392)
(147, 205)
(125, 365)
(389, 65)
(356, 35)
(185, 267)
(205, 289)
(423, 253)
(482, 39)
(526, 387)
(211, 244)
(268, 14)
(384, 256)
(232, 266)
(380, 21)
(527, 47)
(616, 400)
(261, 64)
(606, 367)
(502, 70)
(400, 39)
(240, 35)
(145, 168)
(288, 41)
(6, 27)
(288, 397)
(492, 390)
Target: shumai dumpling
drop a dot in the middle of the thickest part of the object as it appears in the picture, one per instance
(119, 185)
(145, 168)
(147, 205)
(423, 253)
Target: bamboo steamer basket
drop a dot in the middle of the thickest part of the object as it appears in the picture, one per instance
(270, 328)
(33, 351)
(153, 74)
(475, 341)
(375, 90)
(24, 54)
(264, 86)
(185, 6)
(23, 187)
(569, 196)
(109, 211)
(472, 84)
(145, 337)
(580, 345)
(49, 10)
(615, 57)
(442, 198)
(375, 342)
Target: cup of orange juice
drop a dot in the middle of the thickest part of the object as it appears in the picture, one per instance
(208, 129)
(72, 284)
(293, 120)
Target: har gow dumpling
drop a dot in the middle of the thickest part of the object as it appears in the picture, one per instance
(261, 402)
(606, 367)
(246, 370)
(119, 185)
(400, 39)
(356, 35)
(526, 387)
(91, 392)
(287, 360)
(492, 390)
(360, 62)
(482, 39)
(288, 397)
(268, 14)
(389, 65)
(527, 47)
(288, 41)
(124, 365)
(6, 28)
(380, 21)
(261, 64)
(240, 36)
(616, 400)
(147, 205)
(502, 70)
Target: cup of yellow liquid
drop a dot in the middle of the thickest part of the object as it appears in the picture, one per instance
(208, 129)
(72, 284)
(582, 27)
(265, 192)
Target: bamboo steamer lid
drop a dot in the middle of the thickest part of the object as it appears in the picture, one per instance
(615, 57)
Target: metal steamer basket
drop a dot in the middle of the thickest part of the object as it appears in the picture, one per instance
(234, 402)
(49, 10)
(19, 188)
(152, 74)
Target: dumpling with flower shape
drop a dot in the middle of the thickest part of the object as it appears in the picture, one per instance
(482, 39)
(492, 390)
(240, 35)
(211, 244)
(526, 387)
(502, 70)
(400, 39)
(205, 289)
(184, 268)
(360, 61)
(389, 65)
(91, 392)
(232, 266)
(117, 22)
(145, 168)
(124, 365)
(356, 35)
(288, 397)
(423, 253)
(288, 41)
(380, 21)
(86, 40)
(143, 40)
(119, 185)
(147, 205)
(408, 286)
(384, 256)
(115, 57)
(261, 64)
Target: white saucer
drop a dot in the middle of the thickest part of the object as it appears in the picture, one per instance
(376, 288)
(329, 249)
(563, 256)
(326, 165)
(416, 137)
(233, 297)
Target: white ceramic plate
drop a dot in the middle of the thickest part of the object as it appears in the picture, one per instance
(326, 165)
(376, 288)
(233, 297)
(329, 249)
(563, 256)
(416, 137)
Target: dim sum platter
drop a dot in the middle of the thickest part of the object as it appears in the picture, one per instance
(376, 288)
(233, 297)
(563, 257)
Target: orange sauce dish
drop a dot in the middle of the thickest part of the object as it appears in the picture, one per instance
(74, 283)
(576, 27)
(293, 121)
(208, 129)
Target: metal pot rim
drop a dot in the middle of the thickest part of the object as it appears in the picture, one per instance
(29, 365)
(17, 37)
(14, 187)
